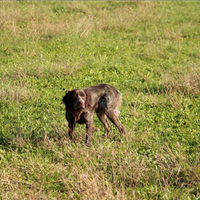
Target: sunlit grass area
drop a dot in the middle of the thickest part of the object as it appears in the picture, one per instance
(149, 51)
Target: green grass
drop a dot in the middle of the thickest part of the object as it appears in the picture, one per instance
(147, 50)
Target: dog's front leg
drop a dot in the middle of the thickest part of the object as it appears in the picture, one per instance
(89, 127)
(71, 128)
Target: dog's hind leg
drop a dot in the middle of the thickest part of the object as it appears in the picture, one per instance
(102, 117)
(111, 114)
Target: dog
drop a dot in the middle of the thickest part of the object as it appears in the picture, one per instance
(81, 104)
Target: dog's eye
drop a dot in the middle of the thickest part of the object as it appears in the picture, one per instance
(83, 96)
(74, 96)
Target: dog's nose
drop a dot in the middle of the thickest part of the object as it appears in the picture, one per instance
(81, 103)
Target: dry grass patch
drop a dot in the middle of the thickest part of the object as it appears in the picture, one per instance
(45, 68)
(182, 80)
(31, 21)
(17, 91)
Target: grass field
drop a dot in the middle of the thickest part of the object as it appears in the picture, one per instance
(150, 51)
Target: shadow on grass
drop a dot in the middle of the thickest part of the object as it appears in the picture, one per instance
(15, 141)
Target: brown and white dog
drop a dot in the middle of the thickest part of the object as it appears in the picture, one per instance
(81, 104)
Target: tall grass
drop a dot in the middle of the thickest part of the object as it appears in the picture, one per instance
(185, 81)
(149, 51)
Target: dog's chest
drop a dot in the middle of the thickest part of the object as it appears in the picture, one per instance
(82, 118)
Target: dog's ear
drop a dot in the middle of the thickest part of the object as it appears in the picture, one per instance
(67, 99)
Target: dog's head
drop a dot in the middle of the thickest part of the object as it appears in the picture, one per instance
(75, 99)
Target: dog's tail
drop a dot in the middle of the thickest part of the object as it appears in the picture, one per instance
(119, 102)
